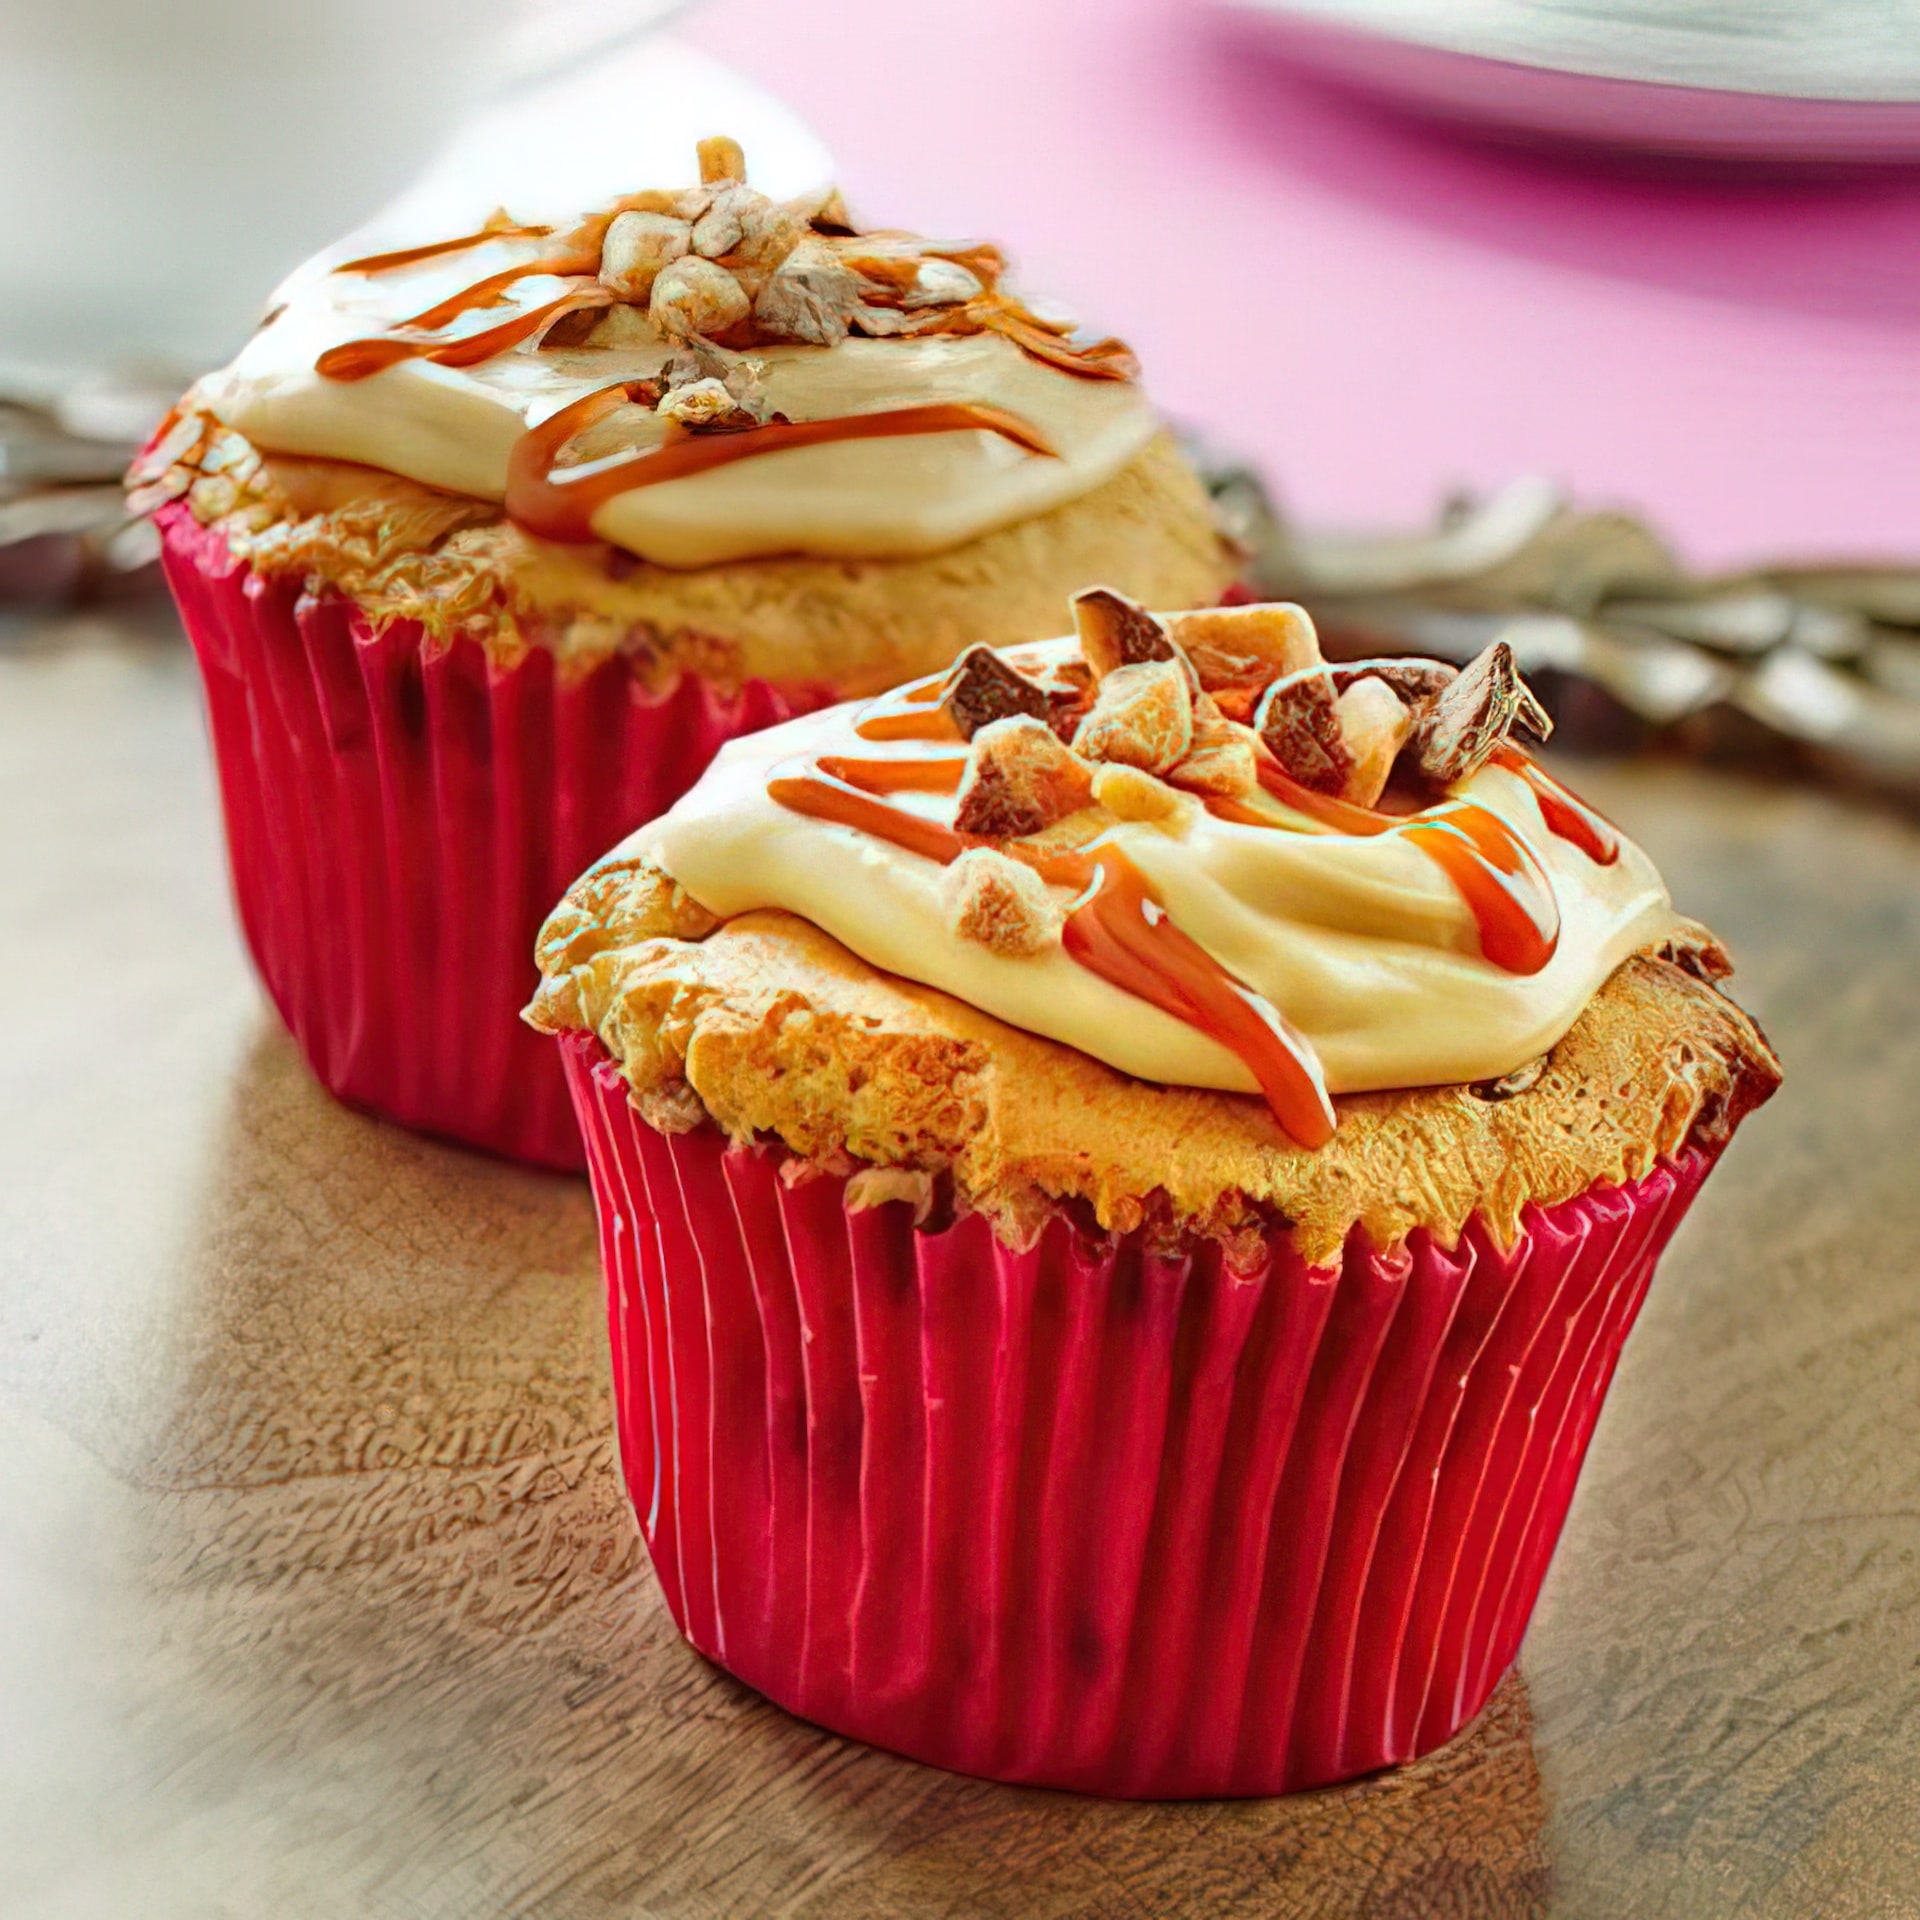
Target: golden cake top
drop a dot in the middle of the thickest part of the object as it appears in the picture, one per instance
(402, 551)
(773, 1031)
(1190, 851)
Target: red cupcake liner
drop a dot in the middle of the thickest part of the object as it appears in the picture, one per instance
(1087, 1516)
(401, 817)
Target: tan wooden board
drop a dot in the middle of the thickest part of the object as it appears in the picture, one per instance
(319, 1595)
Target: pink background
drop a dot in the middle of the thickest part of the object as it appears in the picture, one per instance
(1376, 312)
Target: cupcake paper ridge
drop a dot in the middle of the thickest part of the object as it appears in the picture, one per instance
(1080, 1514)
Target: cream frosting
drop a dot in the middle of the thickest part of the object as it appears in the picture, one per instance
(1362, 943)
(454, 427)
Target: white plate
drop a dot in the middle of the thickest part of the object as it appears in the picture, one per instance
(1803, 81)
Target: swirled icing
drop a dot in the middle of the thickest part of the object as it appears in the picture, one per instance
(1362, 942)
(454, 427)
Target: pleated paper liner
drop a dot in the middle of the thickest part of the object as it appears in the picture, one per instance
(1086, 1516)
(401, 817)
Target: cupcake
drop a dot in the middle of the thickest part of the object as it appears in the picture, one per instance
(1124, 1172)
(487, 543)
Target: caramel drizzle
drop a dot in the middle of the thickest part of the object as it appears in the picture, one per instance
(1107, 359)
(1495, 873)
(578, 259)
(582, 243)
(1118, 930)
(554, 507)
(1326, 808)
(357, 359)
(1121, 932)
(896, 776)
(1567, 818)
(912, 712)
(1493, 870)
(981, 258)
(989, 311)
(489, 292)
(839, 804)
(834, 790)
(409, 256)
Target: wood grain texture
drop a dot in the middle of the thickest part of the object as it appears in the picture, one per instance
(321, 1596)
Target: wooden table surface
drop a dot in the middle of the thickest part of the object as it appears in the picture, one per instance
(319, 1596)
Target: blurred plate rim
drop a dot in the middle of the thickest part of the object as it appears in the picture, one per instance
(1540, 93)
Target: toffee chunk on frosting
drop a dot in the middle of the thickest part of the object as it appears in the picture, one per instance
(983, 688)
(1115, 633)
(1464, 724)
(1299, 722)
(1019, 780)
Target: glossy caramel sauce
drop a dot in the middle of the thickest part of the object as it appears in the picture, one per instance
(896, 776)
(357, 359)
(546, 503)
(912, 712)
(822, 798)
(981, 258)
(1117, 929)
(1570, 819)
(411, 256)
(1236, 812)
(1107, 359)
(1503, 885)
(488, 292)
(1328, 810)
(577, 257)
(1121, 932)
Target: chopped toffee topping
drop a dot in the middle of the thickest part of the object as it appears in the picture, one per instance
(1034, 816)
(983, 688)
(1414, 680)
(1115, 633)
(1471, 716)
(1242, 649)
(726, 264)
(1298, 721)
(1374, 725)
(1000, 903)
(1019, 780)
(1220, 761)
(1142, 717)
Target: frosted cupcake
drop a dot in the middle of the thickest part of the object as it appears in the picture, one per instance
(486, 544)
(1125, 1170)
